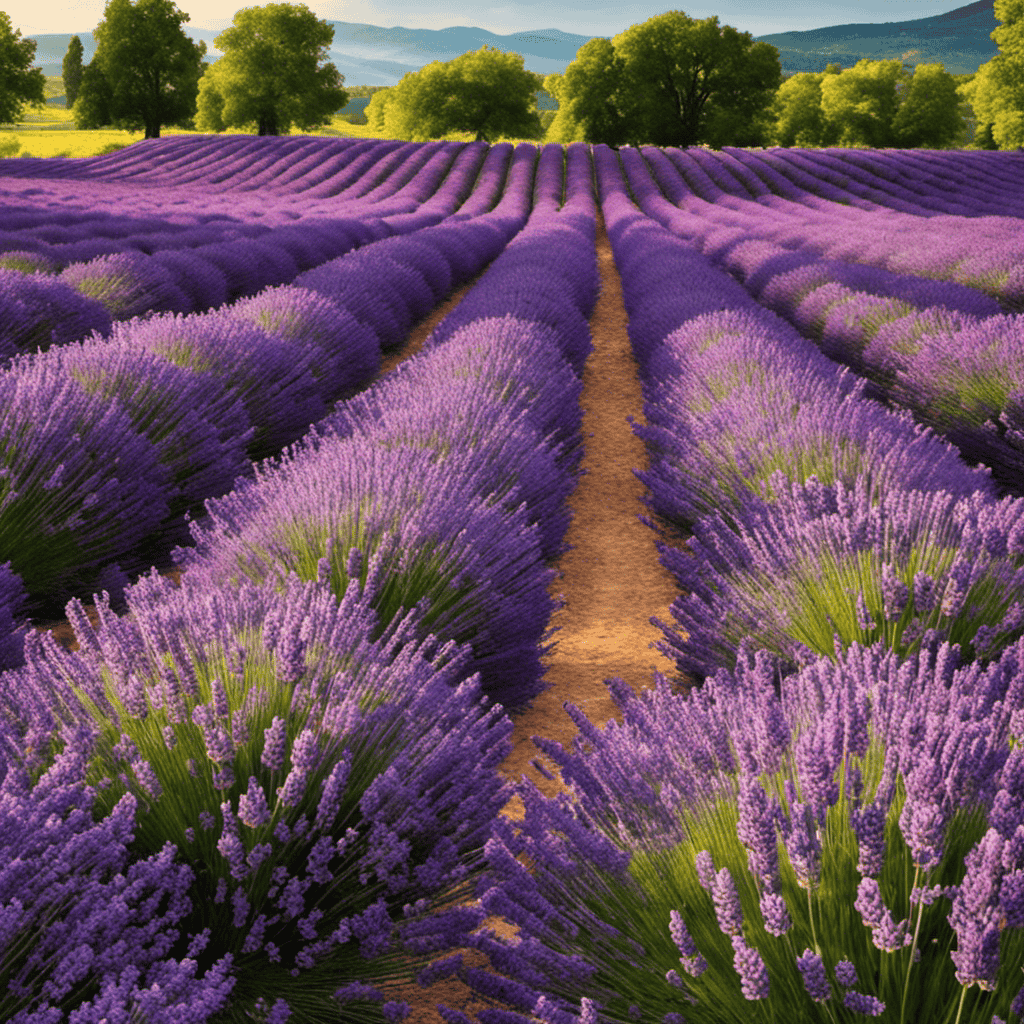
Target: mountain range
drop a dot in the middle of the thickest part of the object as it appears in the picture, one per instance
(371, 55)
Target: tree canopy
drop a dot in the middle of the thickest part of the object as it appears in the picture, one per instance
(796, 109)
(873, 104)
(20, 83)
(670, 81)
(996, 93)
(71, 69)
(272, 74)
(486, 92)
(145, 72)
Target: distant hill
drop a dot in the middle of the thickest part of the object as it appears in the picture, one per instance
(371, 55)
(960, 40)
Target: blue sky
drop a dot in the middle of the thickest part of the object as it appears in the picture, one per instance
(586, 17)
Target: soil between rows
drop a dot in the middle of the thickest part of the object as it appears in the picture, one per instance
(612, 583)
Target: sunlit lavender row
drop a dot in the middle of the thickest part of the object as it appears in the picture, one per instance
(298, 745)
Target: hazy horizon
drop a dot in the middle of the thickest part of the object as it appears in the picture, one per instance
(586, 17)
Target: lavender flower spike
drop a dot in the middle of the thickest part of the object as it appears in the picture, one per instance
(812, 969)
(692, 961)
(727, 903)
(751, 969)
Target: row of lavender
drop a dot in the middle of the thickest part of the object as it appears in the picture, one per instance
(832, 825)
(144, 425)
(939, 348)
(87, 270)
(360, 603)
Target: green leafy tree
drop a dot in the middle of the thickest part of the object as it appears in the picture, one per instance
(20, 83)
(376, 109)
(586, 95)
(92, 108)
(929, 115)
(862, 102)
(72, 71)
(272, 74)
(996, 93)
(671, 81)
(145, 68)
(796, 111)
(485, 92)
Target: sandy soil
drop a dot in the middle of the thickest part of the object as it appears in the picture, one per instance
(611, 580)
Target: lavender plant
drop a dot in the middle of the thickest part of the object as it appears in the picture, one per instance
(270, 374)
(79, 486)
(478, 563)
(38, 311)
(342, 353)
(829, 566)
(13, 599)
(462, 422)
(329, 793)
(199, 427)
(81, 927)
(740, 410)
(127, 284)
(844, 842)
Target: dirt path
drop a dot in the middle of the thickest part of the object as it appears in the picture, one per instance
(612, 582)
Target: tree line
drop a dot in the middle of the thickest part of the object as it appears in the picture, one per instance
(670, 81)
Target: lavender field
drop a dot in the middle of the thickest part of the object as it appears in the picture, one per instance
(818, 817)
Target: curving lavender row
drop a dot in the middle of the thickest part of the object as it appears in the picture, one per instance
(189, 271)
(757, 202)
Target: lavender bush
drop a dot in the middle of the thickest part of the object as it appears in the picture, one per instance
(479, 564)
(271, 374)
(79, 486)
(849, 845)
(199, 427)
(38, 310)
(824, 567)
(740, 408)
(342, 352)
(75, 912)
(327, 793)
(128, 284)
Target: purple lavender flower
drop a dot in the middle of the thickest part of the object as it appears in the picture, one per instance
(693, 962)
(756, 829)
(846, 973)
(775, 913)
(812, 969)
(751, 969)
(865, 1004)
(728, 910)
(885, 933)
(705, 870)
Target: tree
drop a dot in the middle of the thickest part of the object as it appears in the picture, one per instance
(996, 93)
(486, 92)
(929, 115)
(19, 82)
(92, 108)
(676, 82)
(586, 92)
(72, 71)
(145, 66)
(796, 111)
(271, 75)
(863, 100)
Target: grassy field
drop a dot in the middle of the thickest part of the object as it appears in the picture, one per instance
(50, 131)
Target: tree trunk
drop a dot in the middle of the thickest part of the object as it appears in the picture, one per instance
(153, 130)
(268, 123)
